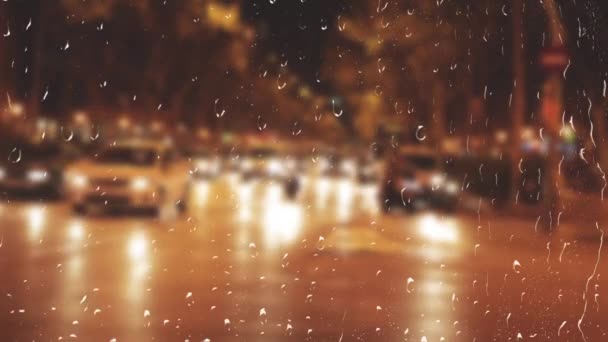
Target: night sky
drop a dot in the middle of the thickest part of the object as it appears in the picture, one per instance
(294, 30)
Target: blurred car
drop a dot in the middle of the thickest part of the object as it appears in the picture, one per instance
(299, 162)
(134, 174)
(204, 163)
(263, 162)
(230, 159)
(35, 168)
(368, 170)
(414, 178)
(531, 188)
(338, 165)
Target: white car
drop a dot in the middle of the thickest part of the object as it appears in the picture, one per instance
(264, 163)
(136, 174)
(204, 163)
(414, 176)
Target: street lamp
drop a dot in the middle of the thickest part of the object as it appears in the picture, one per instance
(16, 110)
(124, 123)
(80, 118)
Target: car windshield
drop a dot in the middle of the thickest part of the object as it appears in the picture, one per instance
(41, 151)
(420, 162)
(198, 153)
(263, 153)
(28, 152)
(128, 155)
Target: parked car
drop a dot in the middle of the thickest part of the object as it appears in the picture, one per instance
(414, 178)
(204, 163)
(133, 174)
(35, 168)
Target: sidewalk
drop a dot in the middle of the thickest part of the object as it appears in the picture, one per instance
(577, 221)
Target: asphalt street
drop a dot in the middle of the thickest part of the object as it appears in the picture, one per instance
(247, 263)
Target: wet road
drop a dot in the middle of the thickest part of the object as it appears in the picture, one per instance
(246, 263)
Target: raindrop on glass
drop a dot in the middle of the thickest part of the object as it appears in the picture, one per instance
(67, 136)
(15, 156)
(321, 243)
(419, 135)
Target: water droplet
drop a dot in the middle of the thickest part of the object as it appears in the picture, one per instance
(67, 137)
(15, 156)
(341, 26)
(408, 287)
(280, 84)
(420, 136)
(95, 135)
(261, 123)
(46, 93)
(516, 266)
(333, 106)
(321, 243)
(381, 66)
(218, 114)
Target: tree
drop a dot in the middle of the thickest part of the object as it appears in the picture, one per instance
(410, 55)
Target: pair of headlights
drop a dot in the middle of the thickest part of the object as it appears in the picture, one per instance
(438, 182)
(449, 186)
(271, 165)
(33, 175)
(80, 181)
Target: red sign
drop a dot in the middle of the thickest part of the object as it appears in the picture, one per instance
(550, 112)
(554, 59)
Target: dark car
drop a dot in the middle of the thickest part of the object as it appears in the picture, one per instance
(415, 178)
(34, 168)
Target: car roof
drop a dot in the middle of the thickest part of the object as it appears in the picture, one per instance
(142, 143)
(417, 150)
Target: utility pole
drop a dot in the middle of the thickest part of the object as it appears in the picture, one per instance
(518, 106)
(35, 90)
(554, 60)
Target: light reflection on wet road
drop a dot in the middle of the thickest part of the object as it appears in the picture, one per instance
(248, 263)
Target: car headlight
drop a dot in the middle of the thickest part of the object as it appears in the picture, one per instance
(140, 183)
(291, 164)
(205, 165)
(367, 170)
(437, 180)
(247, 164)
(323, 163)
(77, 180)
(348, 166)
(410, 184)
(274, 166)
(36, 175)
(451, 187)
(202, 164)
